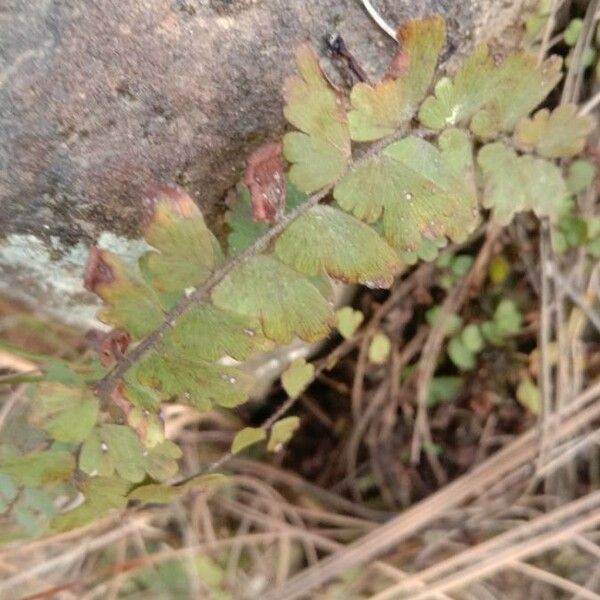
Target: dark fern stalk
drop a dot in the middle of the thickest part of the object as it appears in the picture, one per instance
(108, 383)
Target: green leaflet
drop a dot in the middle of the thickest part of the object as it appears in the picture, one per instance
(165, 494)
(286, 303)
(129, 302)
(378, 110)
(472, 339)
(208, 333)
(380, 348)
(186, 251)
(244, 229)
(102, 494)
(37, 469)
(460, 355)
(580, 176)
(148, 426)
(521, 86)
(557, 134)
(514, 183)
(282, 432)
(495, 96)
(529, 395)
(421, 191)
(297, 377)
(319, 152)
(247, 437)
(328, 240)
(348, 321)
(428, 250)
(456, 101)
(444, 388)
(199, 383)
(507, 318)
(450, 323)
(67, 414)
(116, 448)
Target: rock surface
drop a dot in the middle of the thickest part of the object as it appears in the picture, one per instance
(97, 99)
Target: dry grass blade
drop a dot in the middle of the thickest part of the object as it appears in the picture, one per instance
(529, 539)
(433, 346)
(88, 545)
(520, 542)
(520, 452)
(552, 579)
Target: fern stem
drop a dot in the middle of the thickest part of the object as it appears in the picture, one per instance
(109, 382)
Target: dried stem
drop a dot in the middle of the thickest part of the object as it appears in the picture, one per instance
(517, 454)
(433, 347)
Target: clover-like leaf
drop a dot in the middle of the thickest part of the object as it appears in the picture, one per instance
(444, 388)
(557, 134)
(247, 437)
(209, 333)
(68, 414)
(319, 152)
(160, 462)
(186, 250)
(325, 239)
(348, 321)
(129, 302)
(281, 432)
(461, 355)
(378, 110)
(148, 426)
(472, 339)
(499, 269)
(507, 318)
(421, 191)
(515, 183)
(580, 176)
(380, 348)
(102, 494)
(529, 395)
(39, 468)
(450, 323)
(521, 86)
(199, 383)
(158, 493)
(497, 95)
(112, 448)
(286, 303)
(428, 250)
(297, 377)
(456, 101)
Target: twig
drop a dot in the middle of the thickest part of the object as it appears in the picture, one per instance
(389, 535)
(590, 105)
(545, 339)
(548, 29)
(574, 75)
(318, 539)
(403, 288)
(433, 346)
(71, 555)
(524, 541)
(379, 20)
(10, 403)
(552, 579)
(590, 313)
